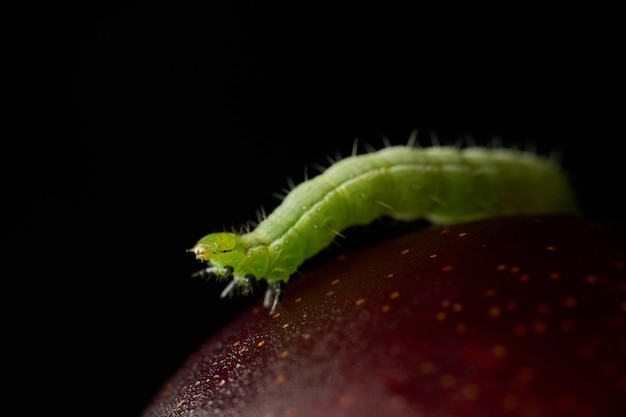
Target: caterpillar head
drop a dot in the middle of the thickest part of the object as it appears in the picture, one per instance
(221, 249)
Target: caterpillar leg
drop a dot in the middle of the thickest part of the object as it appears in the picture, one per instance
(242, 284)
(273, 295)
(229, 288)
(212, 271)
(237, 283)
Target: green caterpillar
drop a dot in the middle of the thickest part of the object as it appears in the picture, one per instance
(441, 184)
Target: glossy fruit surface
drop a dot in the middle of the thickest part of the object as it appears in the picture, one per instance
(504, 317)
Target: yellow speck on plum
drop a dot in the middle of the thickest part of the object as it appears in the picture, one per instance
(461, 328)
(427, 368)
(329, 293)
(285, 325)
(499, 351)
(284, 354)
(524, 376)
(180, 403)
(404, 252)
(261, 343)
(335, 282)
(440, 316)
(543, 308)
(494, 311)
(489, 292)
(360, 301)
(551, 248)
(462, 234)
(434, 255)
(447, 268)
(470, 391)
(280, 378)
(457, 307)
(570, 302)
(520, 330)
(346, 400)
(539, 327)
(586, 353)
(501, 267)
(221, 383)
(389, 275)
(397, 402)
(243, 349)
(447, 380)
(394, 295)
(510, 402)
(386, 308)
(297, 300)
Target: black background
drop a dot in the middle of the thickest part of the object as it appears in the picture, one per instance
(184, 119)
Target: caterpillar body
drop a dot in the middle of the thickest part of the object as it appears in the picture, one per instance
(441, 184)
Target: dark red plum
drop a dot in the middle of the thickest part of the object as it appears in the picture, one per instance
(506, 317)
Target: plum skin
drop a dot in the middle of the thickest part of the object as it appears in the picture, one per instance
(520, 316)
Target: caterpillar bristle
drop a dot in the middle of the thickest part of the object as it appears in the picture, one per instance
(291, 183)
(412, 141)
(437, 200)
(386, 141)
(336, 233)
(260, 214)
(333, 160)
(515, 147)
(495, 142)
(280, 196)
(319, 167)
(369, 148)
(243, 229)
(555, 156)
(384, 204)
(355, 147)
(434, 139)
(530, 147)
(465, 141)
